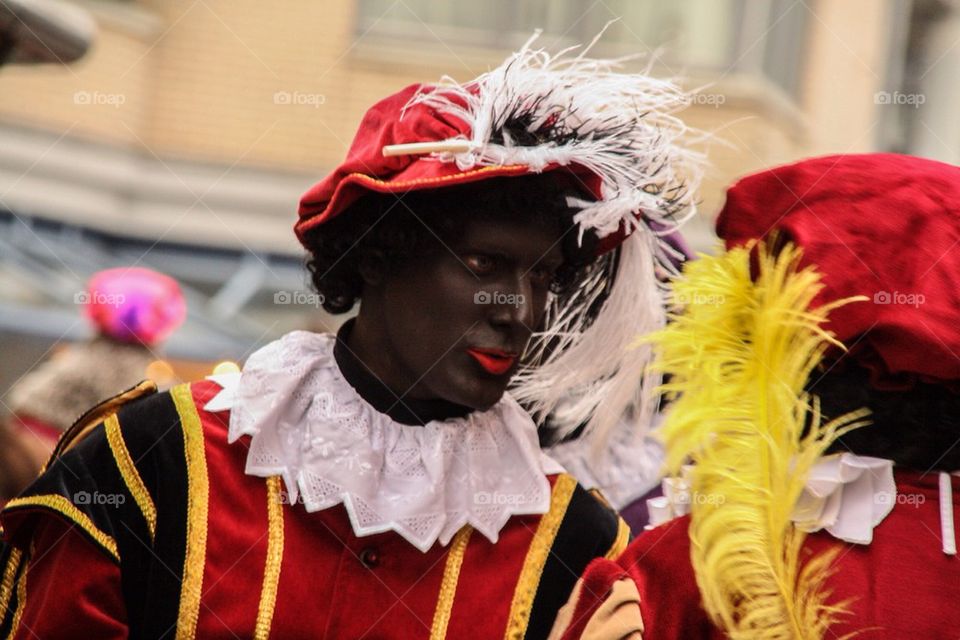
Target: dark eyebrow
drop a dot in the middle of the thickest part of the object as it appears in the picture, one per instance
(549, 262)
(486, 251)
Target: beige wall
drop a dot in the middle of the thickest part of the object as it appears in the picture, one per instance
(847, 60)
(198, 80)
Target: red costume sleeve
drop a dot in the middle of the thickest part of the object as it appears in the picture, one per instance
(71, 588)
(588, 598)
(666, 594)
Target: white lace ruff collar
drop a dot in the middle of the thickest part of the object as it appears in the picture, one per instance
(309, 426)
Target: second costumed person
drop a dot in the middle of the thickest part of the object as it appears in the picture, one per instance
(814, 368)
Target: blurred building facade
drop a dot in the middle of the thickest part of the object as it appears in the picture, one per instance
(184, 138)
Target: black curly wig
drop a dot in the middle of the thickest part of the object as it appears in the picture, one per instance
(401, 227)
(918, 428)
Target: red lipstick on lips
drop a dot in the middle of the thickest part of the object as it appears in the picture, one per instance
(493, 361)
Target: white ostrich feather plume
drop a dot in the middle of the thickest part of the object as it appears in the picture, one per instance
(580, 111)
(543, 110)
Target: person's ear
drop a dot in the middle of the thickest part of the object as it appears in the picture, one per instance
(373, 267)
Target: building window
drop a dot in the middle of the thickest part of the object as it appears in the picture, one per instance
(917, 104)
(725, 36)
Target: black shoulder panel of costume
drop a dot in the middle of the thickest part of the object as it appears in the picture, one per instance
(590, 529)
(100, 474)
(96, 414)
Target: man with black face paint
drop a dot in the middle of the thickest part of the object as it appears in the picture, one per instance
(470, 306)
(383, 482)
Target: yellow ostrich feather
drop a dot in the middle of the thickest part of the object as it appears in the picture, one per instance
(739, 352)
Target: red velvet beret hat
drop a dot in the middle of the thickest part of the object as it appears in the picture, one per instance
(884, 226)
(366, 168)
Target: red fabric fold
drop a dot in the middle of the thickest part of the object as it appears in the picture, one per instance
(884, 226)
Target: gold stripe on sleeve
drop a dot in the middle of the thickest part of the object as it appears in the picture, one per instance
(522, 605)
(198, 494)
(21, 597)
(623, 539)
(131, 477)
(7, 583)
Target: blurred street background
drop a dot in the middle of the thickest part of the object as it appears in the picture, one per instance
(178, 135)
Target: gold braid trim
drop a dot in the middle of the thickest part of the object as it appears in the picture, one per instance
(271, 573)
(67, 509)
(510, 168)
(198, 493)
(621, 542)
(7, 583)
(448, 588)
(21, 597)
(522, 605)
(131, 477)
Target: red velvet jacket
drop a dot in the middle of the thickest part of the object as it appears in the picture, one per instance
(145, 525)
